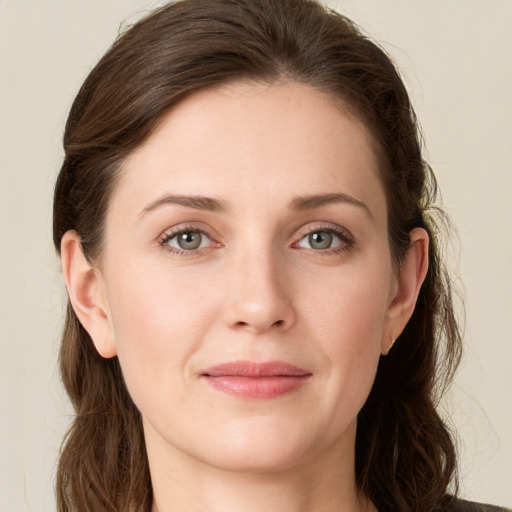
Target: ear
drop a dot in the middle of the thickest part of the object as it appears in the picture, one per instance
(86, 291)
(411, 275)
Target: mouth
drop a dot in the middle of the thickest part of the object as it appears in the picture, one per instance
(247, 379)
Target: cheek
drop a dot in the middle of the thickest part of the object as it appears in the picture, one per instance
(350, 304)
(349, 321)
(157, 325)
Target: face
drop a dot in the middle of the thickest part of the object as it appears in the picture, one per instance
(247, 277)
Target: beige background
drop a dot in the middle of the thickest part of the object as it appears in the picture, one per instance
(456, 58)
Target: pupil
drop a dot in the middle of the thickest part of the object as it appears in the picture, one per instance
(189, 240)
(320, 240)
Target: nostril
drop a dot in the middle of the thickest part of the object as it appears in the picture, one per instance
(241, 324)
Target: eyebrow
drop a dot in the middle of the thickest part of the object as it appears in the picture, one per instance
(197, 202)
(318, 200)
(211, 204)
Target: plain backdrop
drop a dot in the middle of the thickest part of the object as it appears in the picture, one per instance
(455, 56)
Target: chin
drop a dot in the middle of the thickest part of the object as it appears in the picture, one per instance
(261, 449)
(258, 459)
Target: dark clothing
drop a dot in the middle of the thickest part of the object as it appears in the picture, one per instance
(469, 506)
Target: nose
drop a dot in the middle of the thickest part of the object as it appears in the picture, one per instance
(259, 295)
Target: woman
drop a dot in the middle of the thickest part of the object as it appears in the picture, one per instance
(259, 317)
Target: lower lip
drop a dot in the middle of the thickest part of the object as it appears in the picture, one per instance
(256, 387)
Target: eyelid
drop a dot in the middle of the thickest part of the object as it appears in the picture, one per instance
(347, 240)
(170, 233)
(346, 237)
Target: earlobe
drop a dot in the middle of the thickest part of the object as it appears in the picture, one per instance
(86, 293)
(411, 275)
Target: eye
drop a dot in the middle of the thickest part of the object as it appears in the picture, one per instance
(324, 239)
(187, 240)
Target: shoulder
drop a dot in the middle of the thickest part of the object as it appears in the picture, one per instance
(470, 506)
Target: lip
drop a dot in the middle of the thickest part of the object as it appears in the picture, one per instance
(247, 379)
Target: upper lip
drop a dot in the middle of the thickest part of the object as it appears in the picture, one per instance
(252, 369)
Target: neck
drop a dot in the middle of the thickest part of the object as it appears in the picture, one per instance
(252, 494)
(325, 484)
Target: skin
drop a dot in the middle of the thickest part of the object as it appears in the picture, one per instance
(257, 288)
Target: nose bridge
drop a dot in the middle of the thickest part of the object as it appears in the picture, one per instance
(260, 295)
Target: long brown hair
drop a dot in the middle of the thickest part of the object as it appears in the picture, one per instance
(405, 458)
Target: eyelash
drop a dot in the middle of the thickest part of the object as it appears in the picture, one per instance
(169, 235)
(345, 238)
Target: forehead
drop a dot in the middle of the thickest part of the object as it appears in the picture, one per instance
(253, 140)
